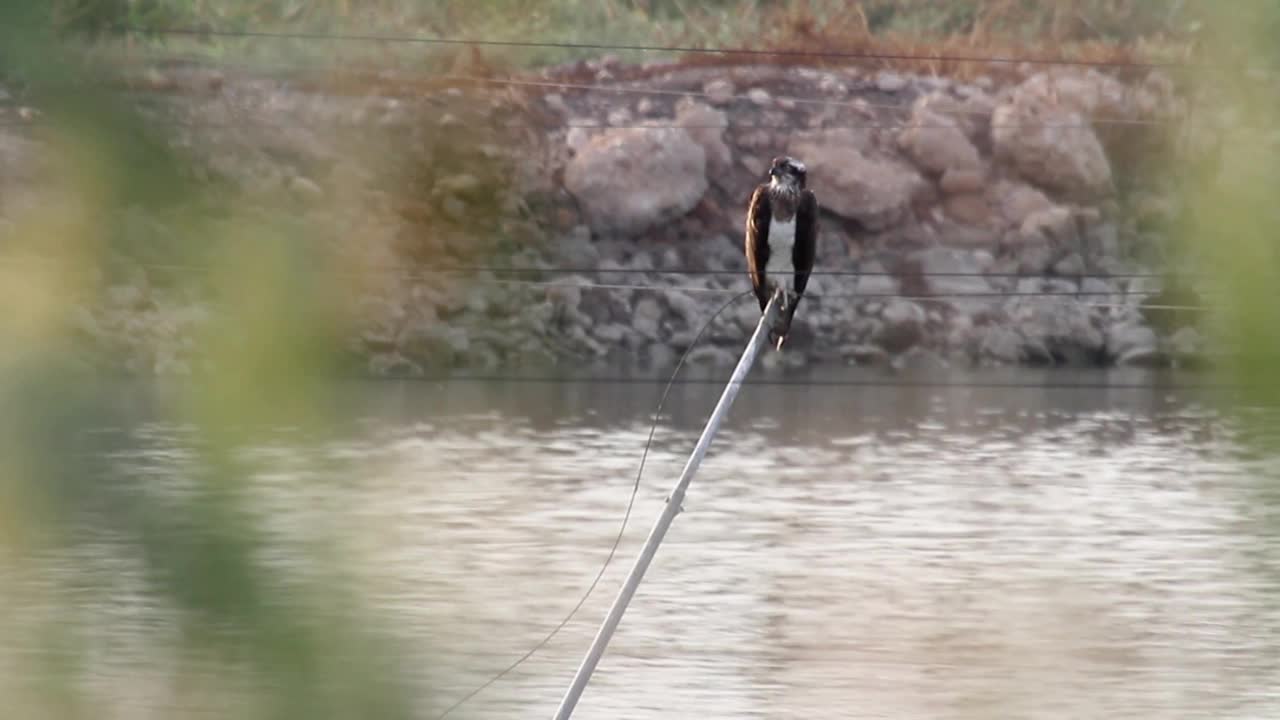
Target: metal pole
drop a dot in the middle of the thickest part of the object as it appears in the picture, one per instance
(668, 513)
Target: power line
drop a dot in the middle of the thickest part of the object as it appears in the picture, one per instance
(917, 297)
(417, 123)
(735, 272)
(925, 297)
(879, 383)
(986, 535)
(547, 45)
(422, 272)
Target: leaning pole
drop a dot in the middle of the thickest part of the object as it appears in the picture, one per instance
(669, 512)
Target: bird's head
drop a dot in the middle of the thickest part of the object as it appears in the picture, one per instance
(787, 172)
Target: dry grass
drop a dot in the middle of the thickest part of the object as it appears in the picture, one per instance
(1096, 31)
(1002, 29)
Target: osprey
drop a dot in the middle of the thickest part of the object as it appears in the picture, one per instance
(782, 228)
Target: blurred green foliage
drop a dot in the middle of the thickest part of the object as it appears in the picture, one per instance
(251, 640)
(1233, 219)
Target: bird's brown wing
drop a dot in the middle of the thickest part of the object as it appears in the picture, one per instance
(805, 250)
(759, 214)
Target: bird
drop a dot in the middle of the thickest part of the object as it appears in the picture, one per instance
(782, 237)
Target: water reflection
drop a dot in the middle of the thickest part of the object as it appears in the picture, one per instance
(846, 551)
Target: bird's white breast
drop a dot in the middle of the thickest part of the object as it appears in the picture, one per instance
(782, 238)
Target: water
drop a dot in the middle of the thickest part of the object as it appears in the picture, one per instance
(846, 551)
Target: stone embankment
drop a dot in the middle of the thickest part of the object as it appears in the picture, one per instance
(969, 223)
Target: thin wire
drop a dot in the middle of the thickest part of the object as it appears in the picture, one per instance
(421, 272)
(940, 296)
(860, 105)
(414, 123)
(876, 295)
(832, 54)
(635, 489)
(927, 297)
(815, 273)
(985, 535)
(814, 383)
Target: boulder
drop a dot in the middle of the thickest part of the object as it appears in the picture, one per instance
(969, 209)
(719, 91)
(1044, 238)
(1052, 145)
(850, 182)
(1131, 343)
(1015, 201)
(998, 343)
(875, 281)
(971, 112)
(948, 271)
(958, 181)
(1085, 91)
(938, 144)
(890, 82)
(1072, 265)
(611, 333)
(1057, 224)
(706, 126)
(1057, 330)
(902, 326)
(1029, 254)
(647, 318)
(691, 312)
(630, 179)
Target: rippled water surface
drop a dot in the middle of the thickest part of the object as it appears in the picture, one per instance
(846, 551)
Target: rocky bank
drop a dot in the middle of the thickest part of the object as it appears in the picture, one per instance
(963, 223)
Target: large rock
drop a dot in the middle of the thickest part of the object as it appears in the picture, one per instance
(903, 324)
(1085, 91)
(938, 144)
(1015, 201)
(1058, 224)
(647, 318)
(631, 179)
(1131, 343)
(706, 126)
(1057, 330)
(849, 181)
(1052, 145)
(971, 112)
(1044, 238)
(948, 271)
(998, 343)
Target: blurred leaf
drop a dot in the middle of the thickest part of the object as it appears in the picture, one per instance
(1235, 218)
